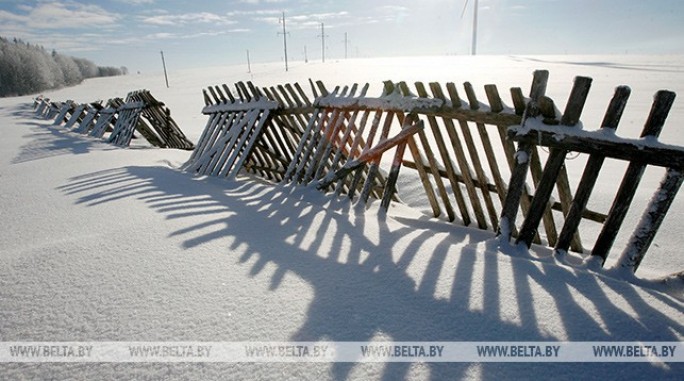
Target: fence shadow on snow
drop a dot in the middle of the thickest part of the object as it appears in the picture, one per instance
(425, 295)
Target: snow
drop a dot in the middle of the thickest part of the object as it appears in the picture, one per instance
(101, 243)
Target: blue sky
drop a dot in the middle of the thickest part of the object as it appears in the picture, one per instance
(217, 32)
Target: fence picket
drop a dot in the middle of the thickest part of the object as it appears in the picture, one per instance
(540, 201)
(591, 171)
(618, 210)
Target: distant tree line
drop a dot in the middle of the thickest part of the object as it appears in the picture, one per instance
(28, 69)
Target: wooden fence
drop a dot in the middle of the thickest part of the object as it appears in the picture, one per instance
(563, 138)
(140, 112)
(461, 149)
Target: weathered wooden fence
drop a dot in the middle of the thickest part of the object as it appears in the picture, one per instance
(462, 150)
(140, 112)
(565, 137)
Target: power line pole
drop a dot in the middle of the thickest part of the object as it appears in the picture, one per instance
(284, 33)
(249, 66)
(322, 36)
(346, 44)
(306, 59)
(166, 77)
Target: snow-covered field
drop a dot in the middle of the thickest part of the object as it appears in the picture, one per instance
(101, 243)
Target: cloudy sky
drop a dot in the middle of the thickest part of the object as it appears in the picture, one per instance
(217, 32)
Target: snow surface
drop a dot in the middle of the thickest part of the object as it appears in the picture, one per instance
(101, 243)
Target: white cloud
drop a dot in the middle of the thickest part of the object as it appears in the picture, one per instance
(60, 15)
(136, 2)
(189, 18)
(261, 1)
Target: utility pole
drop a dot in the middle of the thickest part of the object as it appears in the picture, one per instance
(165, 75)
(346, 42)
(322, 36)
(306, 58)
(249, 66)
(284, 33)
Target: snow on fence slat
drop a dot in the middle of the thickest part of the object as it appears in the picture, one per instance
(88, 123)
(107, 118)
(231, 133)
(561, 136)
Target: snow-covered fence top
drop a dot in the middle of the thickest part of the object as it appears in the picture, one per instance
(561, 134)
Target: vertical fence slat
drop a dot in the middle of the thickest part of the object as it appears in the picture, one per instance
(496, 106)
(556, 160)
(618, 210)
(516, 185)
(477, 163)
(375, 164)
(434, 127)
(591, 171)
(448, 164)
(461, 159)
(651, 220)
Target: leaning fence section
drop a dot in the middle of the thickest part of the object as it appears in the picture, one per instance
(457, 146)
(232, 134)
(140, 112)
(343, 144)
(561, 136)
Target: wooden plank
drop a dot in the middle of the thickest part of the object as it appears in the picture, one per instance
(223, 136)
(618, 210)
(422, 174)
(451, 174)
(232, 144)
(229, 94)
(215, 97)
(516, 185)
(371, 154)
(496, 105)
(347, 133)
(461, 158)
(377, 118)
(556, 160)
(591, 171)
(375, 164)
(441, 148)
(650, 222)
(618, 148)
(391, 185)
(354, 147)
(518, 100)
(477, 163)
(251, 136)
(586, 214)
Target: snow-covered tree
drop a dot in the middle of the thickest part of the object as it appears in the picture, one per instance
(27, 69)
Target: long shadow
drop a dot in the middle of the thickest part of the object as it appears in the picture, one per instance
(398, 279)
(47, 140)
